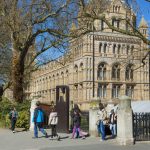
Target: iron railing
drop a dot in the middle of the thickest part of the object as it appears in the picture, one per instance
(141, 126)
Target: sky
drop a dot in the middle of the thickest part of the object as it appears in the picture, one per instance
(144, 9)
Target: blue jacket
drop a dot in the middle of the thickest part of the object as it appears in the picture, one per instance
(38, 115)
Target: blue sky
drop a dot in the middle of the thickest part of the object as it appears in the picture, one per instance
(144, 9)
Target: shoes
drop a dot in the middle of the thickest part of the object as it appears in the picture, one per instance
(46, 135)
(13, 131)
(58, 138)
(102, 140)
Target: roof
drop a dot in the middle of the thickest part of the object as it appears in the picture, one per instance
(141, 106)
(143, 23)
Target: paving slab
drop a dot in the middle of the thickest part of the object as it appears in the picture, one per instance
(22, 140)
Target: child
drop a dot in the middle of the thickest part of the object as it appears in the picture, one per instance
(53, 121)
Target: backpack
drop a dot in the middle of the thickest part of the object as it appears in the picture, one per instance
(39, 116)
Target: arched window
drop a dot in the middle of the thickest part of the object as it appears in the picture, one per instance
(102, 90)
(100, 47)
(116, 91)
(116, 72)
(118, 8)
(129, 72)
(105, 46)
(119, 47)
(114, 48)
(132, 49)
(102, 25)
(128, 49)
(101, 74)
(130, 90)
(76, 73)
(115, 22)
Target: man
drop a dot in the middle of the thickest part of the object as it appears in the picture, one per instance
(102, 116)
(113, 123)
(38, 119)
(13, 115)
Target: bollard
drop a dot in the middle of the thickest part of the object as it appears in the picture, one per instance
(92, 122)
(125, 122)
(33, 106)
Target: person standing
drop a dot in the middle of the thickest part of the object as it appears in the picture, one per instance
(38, 119)
(53, 121)
(102, 117)
(13, 115)
(113, 123)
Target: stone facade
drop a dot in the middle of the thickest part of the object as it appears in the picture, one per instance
(116, 71)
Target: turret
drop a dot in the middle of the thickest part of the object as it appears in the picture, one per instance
(143, 27)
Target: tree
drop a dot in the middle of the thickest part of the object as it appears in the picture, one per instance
(42, 24)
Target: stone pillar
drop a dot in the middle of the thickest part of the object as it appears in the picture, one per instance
(33, 106)
(125, 122)
(92, 122)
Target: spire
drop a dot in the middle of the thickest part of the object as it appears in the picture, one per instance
(143, 23)
(73, 26)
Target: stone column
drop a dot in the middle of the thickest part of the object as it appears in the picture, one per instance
(33, 106)
(125, 122)
(92, 122)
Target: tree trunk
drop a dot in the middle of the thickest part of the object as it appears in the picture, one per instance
(17, 76)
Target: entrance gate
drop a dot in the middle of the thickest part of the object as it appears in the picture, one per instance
(141, 126)
(62, 107)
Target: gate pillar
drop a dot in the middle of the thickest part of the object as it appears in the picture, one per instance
(33, 106)
(125, 122)
(62, 107)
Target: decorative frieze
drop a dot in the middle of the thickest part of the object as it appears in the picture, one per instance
(116, 39)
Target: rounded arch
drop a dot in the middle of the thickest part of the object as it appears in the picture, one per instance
(100, 47)
(67, 72)
(76, 68)
(57, 74)
(102, 62)
(115, 63)
(129, 71)
(116, 67)
(81, 66)
(101, 71)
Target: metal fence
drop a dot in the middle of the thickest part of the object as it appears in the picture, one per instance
(141, 126)
(85, 121)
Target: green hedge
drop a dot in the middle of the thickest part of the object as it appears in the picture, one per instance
(23, 113)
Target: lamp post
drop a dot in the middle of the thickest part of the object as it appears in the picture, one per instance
(149, 75)
(93, 63)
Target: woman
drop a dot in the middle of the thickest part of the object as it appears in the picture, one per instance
(13, 115)
(76, 124)
(53, 121)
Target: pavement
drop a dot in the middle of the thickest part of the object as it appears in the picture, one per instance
(22, 140)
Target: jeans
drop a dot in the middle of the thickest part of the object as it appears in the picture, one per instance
(13, 123)
(54, 132)
(101, 129)
(36, 126)
(76, 129)
(113, 129)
